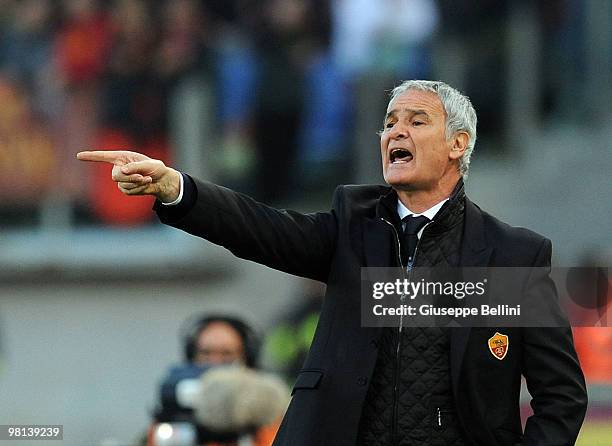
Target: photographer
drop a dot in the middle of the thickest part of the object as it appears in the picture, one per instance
(216, 397)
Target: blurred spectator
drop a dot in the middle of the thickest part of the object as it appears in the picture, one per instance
(384, 36)
(563, 41)
(183, 29)
(27, 158)
(7, 9)
(26, 45)
(153, 47)
(83, 42)
(288, 343)
(81, 52)
(375, 44)
(470, 55)
(291, 35)
(130, 104)
(236, 73)
(27, 155)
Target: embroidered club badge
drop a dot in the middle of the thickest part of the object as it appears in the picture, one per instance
(498, 345)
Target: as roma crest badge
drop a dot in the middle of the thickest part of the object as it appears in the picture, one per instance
(498, 345)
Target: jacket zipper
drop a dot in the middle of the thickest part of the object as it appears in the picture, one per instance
(396, 371)
(399, 338)
(442, 415)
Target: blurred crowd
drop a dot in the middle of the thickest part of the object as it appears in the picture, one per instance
(293, 90)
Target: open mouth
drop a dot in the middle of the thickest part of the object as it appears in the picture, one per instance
(399, 156)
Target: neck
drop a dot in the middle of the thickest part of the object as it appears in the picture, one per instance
(419, 200)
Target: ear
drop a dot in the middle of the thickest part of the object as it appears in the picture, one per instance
(459, 143)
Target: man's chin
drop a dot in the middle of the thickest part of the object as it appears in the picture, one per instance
(400, 183)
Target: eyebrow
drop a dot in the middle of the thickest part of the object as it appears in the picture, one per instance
(409, 110)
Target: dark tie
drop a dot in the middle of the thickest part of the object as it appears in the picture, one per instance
(412, 227)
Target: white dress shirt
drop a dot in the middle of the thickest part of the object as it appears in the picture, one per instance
(430, 213)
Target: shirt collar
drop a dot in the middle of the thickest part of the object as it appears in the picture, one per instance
(430, 213)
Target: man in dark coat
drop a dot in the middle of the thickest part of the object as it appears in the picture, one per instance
(394, 386)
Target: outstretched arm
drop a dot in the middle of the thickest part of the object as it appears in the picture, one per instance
(300, 244)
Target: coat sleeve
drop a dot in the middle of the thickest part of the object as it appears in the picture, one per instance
(296, 243)
(551, 369)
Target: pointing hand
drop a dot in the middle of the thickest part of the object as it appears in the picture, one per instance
(137, 174)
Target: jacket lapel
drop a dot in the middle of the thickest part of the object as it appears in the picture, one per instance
(474, 253)
(378, 238)
(474, 250)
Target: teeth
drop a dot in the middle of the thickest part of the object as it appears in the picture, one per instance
(394, 151)
(399, 151)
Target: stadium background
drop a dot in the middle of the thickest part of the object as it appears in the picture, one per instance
(281, 99)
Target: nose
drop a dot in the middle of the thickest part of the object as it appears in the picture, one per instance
(399, 131)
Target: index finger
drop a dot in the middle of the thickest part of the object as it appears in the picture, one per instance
(116, 157)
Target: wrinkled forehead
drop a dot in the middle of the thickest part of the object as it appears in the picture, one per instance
(414, 99)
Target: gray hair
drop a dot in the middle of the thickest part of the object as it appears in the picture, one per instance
(460, 113)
